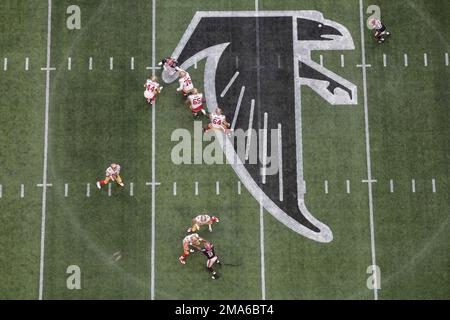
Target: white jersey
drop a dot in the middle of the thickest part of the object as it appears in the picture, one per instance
(190, 238)
(150, 89)
(196, 100)
(186, 83)
(202, 219)
(217, 121)
(110, 171)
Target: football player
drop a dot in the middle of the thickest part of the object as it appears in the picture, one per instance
(218, 121)
(152, 88)
(186, 84)
(170, 65)
(112, 174)
(379, 30)
(201, 220)
(208, 251)
(189, 242)
(195, 102)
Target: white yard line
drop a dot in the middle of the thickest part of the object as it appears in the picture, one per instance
(5, 64)
(1, 191)
(131, 189)
(425, 60)
(90, 63)
(174, 188)
(153, 236)
(88, 190)
(238, 107)
(249, 130)
(217, 188)
(69, 63)
(433, 185)
(239, 187)
(22, 191)
(27, 64)
(405, 57)
(347, 186)
(325, 186)
(264, 149)
(366, 123)
(384, 60)
(132, 63)
(45, 162)
(280, 164)
(230, 83)
(342, 61)
(111, 63)
(391, 186)
(413, 185)
(66, 190)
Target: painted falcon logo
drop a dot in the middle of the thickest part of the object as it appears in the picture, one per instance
(267, 56)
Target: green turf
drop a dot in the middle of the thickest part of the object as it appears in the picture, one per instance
(99, 116)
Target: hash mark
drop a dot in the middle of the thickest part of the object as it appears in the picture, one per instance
(111, 63)
(174, 188)
(405, 57)
(433, 185)
(425, 60)
(90, 63)
(69, 63)
(109, 189)
(132, 63)
(342, 61)
(27, 63)
(239, 187)
(22, 191)
(217, 188)
(325, 185)
(88, 190)
(5, 64)
(446, 59)
(413, 185)
(347, 183)
(196, 188)
(66, 190)
(384, 60)
(391, 186)
(131, 189)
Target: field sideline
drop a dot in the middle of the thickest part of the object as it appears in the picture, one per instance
(375, 172)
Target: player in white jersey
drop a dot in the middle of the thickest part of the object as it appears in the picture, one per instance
(185, 82)
(379, 30)
(152, 88)
(201, 220)
(192, 240)
(170, 65)
(112, 174)
(218, 121)
(195, 102)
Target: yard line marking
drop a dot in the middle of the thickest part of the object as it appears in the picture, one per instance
(384, 60)
(280, 163)
(153, 68)
(238, 107)
(224, 92)
(196, 188)
(174, 188)
(131, 189)
(153, 236)
(41, 185)
(433, 185)
(1, 191)
(347, 184)
(250, 126)
(325, 186)
(413, 185)
(195, 63)
(405, 57)
(217, 188)
(261, 240)
(111, 63)
(69, 63)
(264, 150)
(48, 68)
(279, 61)
(370, 181)
(446, 59)
(132, 63)
(342, 61)
(237, 62)
(239, 187)
(366, 125)
(66, 190)
(364, 65)
(27, 63)
(109, 189)
(22, 191)
(45, 162)
(321, 60)
(425, 60)
(5, 64)
(153, 183)
(90, 63)
(391, 186)
(88, 190)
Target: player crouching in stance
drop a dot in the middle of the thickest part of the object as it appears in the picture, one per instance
(201, 220)
(379, 30)
(218, 122)
(152, 88)
(185, 81)
(195, 102)
(189, 242)
(170, 65)
(112, 173)
(208, 251)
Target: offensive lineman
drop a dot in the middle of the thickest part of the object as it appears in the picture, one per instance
(152, 88)
(170, 65)
(185, 81)
(201, 220)
(195, 102)
(112, 173)
(192, 240)
(218, 122)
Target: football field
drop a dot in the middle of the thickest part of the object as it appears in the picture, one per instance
(372, 170)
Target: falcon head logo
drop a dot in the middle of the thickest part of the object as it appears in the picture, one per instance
(256, 65)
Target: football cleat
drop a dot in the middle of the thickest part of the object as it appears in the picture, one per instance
(191, 250)
(181, 259)
(98, 185)
(160, 89)
(121, 184)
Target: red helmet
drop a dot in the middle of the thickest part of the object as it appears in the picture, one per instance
(214, 219)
